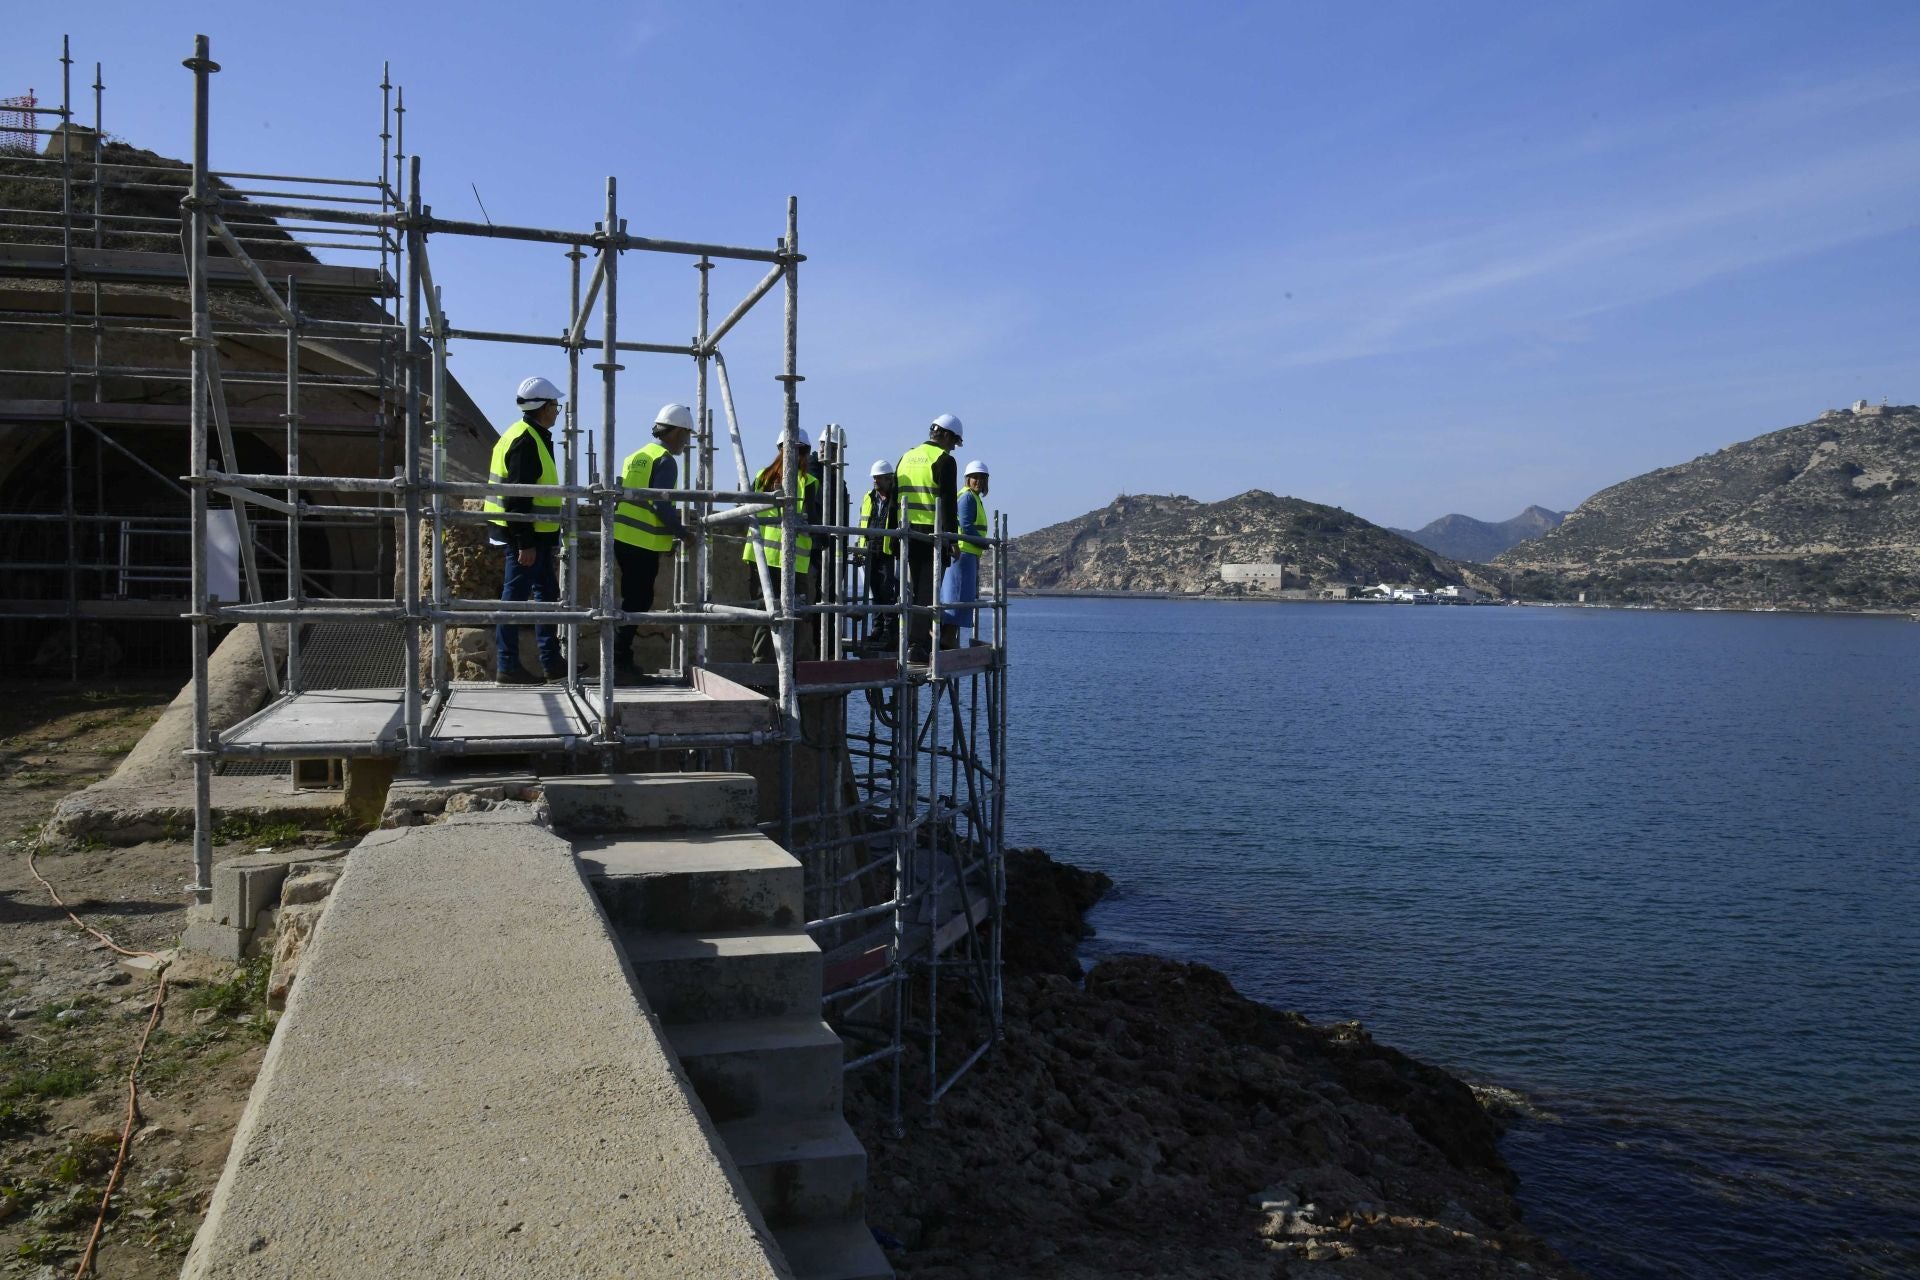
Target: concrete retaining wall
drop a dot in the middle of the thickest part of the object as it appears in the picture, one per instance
(465, 1083)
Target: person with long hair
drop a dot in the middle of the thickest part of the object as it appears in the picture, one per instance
(960, 586)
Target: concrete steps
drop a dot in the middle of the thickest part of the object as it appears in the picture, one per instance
(653, 802)
(842, 1250)
(694, 881)
(708, 912)
(722, 977)
(807, 1170)
(761, 1066)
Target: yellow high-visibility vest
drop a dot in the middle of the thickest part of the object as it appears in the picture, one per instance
(635, 524)
(497, 472)
(765, 530)
(977, 527)
(866, 517)
(913, 483)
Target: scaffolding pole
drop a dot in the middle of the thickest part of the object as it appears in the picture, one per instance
(902, 847)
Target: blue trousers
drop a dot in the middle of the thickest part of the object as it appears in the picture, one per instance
(960, 586)
(538, 581)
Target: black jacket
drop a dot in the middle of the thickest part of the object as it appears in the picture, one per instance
(523, 467)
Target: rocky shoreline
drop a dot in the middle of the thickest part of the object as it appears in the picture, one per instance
(1144, 1118)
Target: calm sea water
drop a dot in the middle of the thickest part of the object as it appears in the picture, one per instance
(1656, 872)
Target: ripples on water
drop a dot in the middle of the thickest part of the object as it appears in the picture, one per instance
(1655, 871)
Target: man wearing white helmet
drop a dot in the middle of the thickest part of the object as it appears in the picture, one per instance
(925, 485)
(763, 531)
(878, 511)
(643, 530)
(524, 455)
(961, 585)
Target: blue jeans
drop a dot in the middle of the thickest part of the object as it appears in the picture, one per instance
(540, 581)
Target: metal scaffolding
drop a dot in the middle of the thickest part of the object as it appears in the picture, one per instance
(91, 243)
(900, 837)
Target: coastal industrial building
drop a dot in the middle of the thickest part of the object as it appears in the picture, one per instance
(1258, 577)
(307, 475)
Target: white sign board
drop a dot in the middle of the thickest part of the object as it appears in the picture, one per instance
(223, 557)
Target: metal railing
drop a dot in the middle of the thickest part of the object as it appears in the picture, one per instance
(921, 747)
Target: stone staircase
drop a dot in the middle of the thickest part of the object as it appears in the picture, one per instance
(709, 914)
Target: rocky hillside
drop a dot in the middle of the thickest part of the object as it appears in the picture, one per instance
(1459, 537)
(1825, 515)
(1148, 542)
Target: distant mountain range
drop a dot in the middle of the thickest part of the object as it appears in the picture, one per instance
(1150, 542)
(1463, 538)
(1825, 515)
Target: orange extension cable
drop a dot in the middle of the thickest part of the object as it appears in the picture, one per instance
(133, 1102)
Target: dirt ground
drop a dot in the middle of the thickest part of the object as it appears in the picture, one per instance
(71, 1017)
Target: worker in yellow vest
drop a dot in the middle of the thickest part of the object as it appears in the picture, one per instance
(925, 483)
(878, 510)
(524, 455)
(645, 529)
(960, 587)
(763, 532)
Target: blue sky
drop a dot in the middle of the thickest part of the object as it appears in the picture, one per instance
(1403, 258)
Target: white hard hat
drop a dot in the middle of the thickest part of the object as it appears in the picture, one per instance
(975, 468)
(880, 468)
(799, 434)
(674, 415)
(536, 389)
(947, 422)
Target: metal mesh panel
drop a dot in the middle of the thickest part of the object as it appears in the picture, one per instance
(336, 655)
(16, 125)
(254, 768)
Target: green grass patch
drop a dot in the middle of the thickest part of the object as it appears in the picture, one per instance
(30, 1076)
(343, 823)
(245, 829)
(20, 1116)
(243, 994)
(35, 1070)
(80, 1159)
(171, 1057)
(45, 1248)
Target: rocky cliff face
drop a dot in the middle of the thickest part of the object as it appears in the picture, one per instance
(1461, 537)
(1148, 542)
(1825, 515)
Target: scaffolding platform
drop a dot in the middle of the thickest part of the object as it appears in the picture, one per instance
(129, 414)
(932, 929)
(706, 703)
(134, 266)
(324, 717)
(889, 776)
(484, 711)
(838, 674)
(347, 722)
